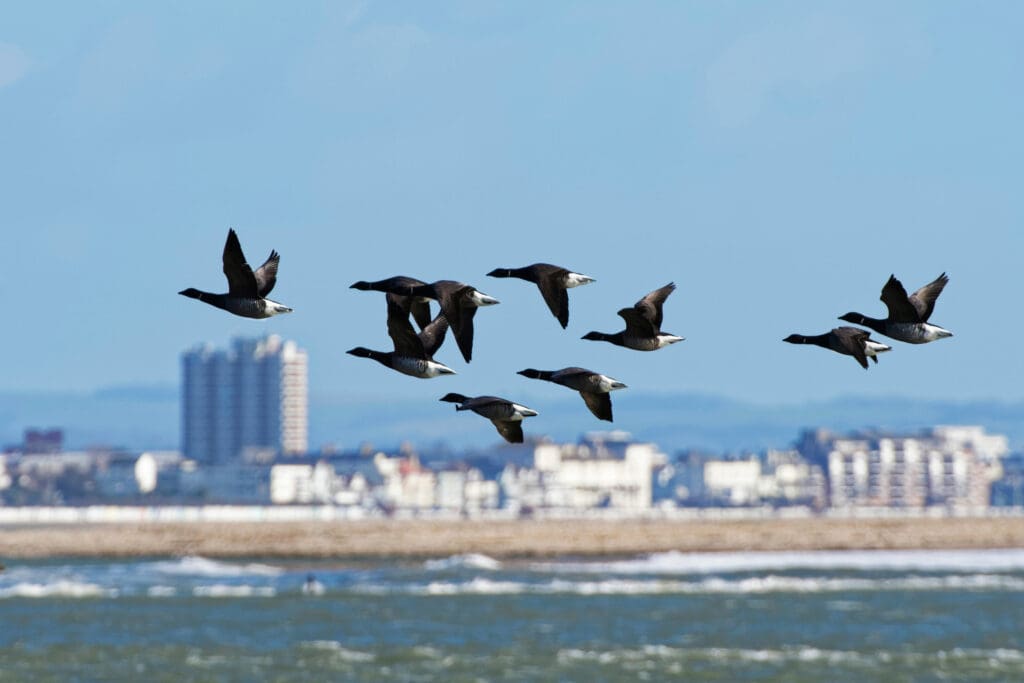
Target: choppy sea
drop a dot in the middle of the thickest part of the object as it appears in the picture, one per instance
(818, 616)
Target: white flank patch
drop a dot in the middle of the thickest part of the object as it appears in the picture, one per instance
(576, 279)
(481, 299)
(522, 411)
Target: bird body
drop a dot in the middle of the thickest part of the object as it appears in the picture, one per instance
(506, 415)
(908, 315)
(247, 289)
(414, 367)
(848, 341)
(459, 303)
(552, 281)
(643, 324)
(592, 386)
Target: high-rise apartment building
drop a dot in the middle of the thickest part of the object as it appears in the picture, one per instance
(253, 395)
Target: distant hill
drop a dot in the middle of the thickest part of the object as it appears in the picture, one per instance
(148, 417)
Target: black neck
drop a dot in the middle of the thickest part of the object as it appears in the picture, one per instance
(816, 339)
(382, 357)
(873, 323)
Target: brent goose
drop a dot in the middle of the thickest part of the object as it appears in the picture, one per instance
(398, 289)
(643, 324)
(458, 302)
(414, 353)
(593, 387)
(506, 415)
(908, 315)
(848, 341)
(247, 290)
(552, 282)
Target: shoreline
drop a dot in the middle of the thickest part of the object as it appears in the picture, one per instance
(526, 539)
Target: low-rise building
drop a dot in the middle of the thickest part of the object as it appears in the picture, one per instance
(951, 466)
(605, 469)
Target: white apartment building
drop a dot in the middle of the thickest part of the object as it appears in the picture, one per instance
(952, 466)
(253, 396)
(605, 470)
(736, 482)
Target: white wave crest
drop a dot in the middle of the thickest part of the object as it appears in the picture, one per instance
(802, 654)
(477, 586)
(466, 561)
(161, 591)
(194, 565)
(339, 651)
(62, 588)
(710, 586)
(221, 590)
(673, 562)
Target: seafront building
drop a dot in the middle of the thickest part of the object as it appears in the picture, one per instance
(603, 470)
(948, 466)
(252, 396)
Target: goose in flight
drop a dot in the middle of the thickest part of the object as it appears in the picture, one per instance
(848, 341)
(397, 289)
(594, 387)
(459, 302)
(552, 281)
(414, 353)
(247, 289)
(643, 324)
(908, 315)
(507, 416)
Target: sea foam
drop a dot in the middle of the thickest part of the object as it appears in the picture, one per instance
(863, 560)
(464, 561)
(710, 586)
(194, 565)
(221, 590)
(61, 588)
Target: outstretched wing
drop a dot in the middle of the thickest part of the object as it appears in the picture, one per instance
(650, 305)
(555, 296)
(637, 324)
(894, 296)
(923, 300)
(420, 310)
(241, 281)
(432, 336)
(407, 343)
(854, 341)
(266, 275)
(459, 314)
(600, 404)
(512, 431)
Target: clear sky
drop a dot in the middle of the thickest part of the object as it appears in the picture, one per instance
(776, 160)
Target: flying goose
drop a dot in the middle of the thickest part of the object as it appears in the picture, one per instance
(643, 324)
(507, 416)
(593, 387)
(552, 281)
(247, 290)
(398, 289)
(414, 353)
(908, 315)
(848, 341)
(458, 302)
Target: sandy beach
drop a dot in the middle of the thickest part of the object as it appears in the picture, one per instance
(501, 539)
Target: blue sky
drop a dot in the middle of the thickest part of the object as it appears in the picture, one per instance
(776, 160)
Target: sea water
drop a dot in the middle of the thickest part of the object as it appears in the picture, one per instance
(817, 616)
